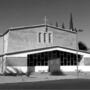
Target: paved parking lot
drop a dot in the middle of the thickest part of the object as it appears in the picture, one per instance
(81, 84)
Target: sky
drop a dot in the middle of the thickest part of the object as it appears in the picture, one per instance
(14, 13)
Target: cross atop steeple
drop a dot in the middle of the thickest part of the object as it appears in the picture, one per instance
(45, 20)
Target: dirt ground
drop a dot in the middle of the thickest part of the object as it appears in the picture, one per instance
(37, 77)
(70, 80)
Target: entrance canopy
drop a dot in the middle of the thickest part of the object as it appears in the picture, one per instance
(47, 49)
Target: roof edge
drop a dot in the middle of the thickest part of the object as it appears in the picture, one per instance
(18, 52)
(26, 27)
(67, 30)
(20, 28)
(34, 26)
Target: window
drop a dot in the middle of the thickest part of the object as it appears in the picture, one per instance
(49, 37)
(39, 37)
(44, 37)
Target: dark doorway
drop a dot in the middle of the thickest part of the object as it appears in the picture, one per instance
(54, 65)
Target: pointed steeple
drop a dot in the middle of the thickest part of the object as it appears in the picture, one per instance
(56, 24)
(71, 23)
(63, 26)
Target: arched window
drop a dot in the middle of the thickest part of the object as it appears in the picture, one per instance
(49, 37)
(39, 37)
(44, 37)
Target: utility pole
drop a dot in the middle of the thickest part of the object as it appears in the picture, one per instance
(77, 31)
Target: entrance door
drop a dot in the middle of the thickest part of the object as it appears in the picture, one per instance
(54, 65)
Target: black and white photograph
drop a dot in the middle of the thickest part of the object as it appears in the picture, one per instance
(44, 44)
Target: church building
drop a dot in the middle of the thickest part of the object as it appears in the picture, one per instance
(36, 49)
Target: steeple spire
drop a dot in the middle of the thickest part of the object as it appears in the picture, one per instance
(71, 23)
(63, 26)
(56, 24)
